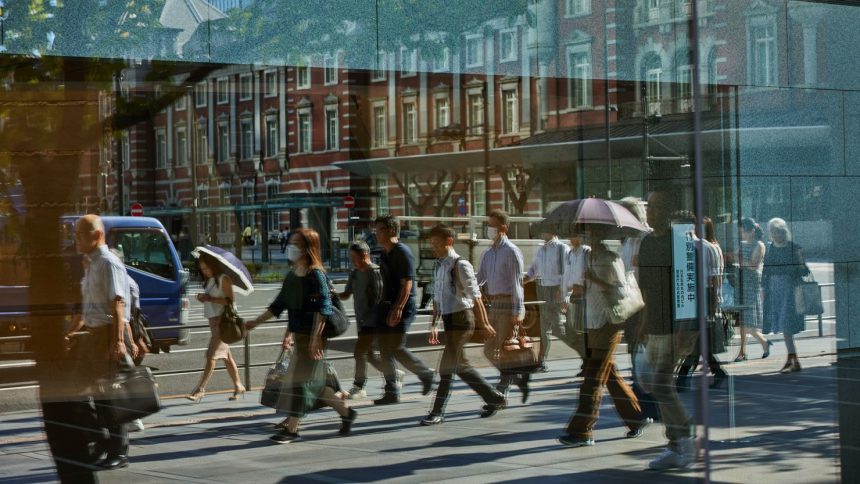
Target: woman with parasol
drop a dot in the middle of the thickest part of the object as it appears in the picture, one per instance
(223, 275)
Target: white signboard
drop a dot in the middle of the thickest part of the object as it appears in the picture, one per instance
(684, 271)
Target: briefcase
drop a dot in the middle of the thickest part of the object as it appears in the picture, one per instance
(131, 394)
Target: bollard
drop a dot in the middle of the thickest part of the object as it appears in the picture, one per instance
(248, 360)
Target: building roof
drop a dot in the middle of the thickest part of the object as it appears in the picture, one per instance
(187, 15)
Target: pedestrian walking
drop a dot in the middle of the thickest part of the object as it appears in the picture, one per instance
(573, 289)
(667, 341)
(284, 239)
(547, 271)
(784, 269)
(604, 278)
(305, 295)
(714, 268)
(457, 301)
(500, 276)
(364, 285)
(218, 293)
(105, 313)
(397, 310)
(751, 260)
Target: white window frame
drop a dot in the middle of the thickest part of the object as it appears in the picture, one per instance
(246, 138)
(577, 8)
(246, 94)
(224, 201)
(329, 70)
(410, 122)
(181, 146)
(478, 41)
(202, 139)
(770, 65)
(379, 72)
(272, 192)
(200, 95)
(304, 131)
(478, 196)
(510, 110)
(380, 125)
(270, 83)
(222, 89)
(443, 63)
(303, 70)
(408, 62)
(223, 141)
(511, 44)
(441, 108)
(181, 103)
(579, 74)
(160, 148)
(272, 136)
(382, 205)
(475, 112)
(332, 133)
(652, 9)
(684, 83)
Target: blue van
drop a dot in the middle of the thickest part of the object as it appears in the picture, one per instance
(153, 262)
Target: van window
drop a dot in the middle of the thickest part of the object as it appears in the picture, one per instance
(146, 250)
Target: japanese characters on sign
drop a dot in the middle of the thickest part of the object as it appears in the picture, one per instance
(684, 271)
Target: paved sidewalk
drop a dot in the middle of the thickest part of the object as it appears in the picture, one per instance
(785, 428)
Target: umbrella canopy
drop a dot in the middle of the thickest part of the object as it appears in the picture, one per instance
(230, 265)
(569, 217)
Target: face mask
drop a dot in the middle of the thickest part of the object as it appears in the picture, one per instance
(293, 253)
(492, 233)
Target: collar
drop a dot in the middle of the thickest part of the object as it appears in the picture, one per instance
(552, 241)
(99, 251)
(452, 255)
(503, 239)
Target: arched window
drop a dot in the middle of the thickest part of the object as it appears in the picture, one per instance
(652, 76)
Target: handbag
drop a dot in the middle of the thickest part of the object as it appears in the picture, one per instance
(337, 323)
(720, 332)
(274, 380)
(518, 353)
(130, 394)
(231, 327)
(807, 297)
(628, 302)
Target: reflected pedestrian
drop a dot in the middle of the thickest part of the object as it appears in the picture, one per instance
(364, 285)
(305, 296)
(547, 271)
(457, 300)
(218, 293)
(573, 287)
(667, 340)
(397, 310)
(604, 278)
(751, 260)
(784, 268)
(500, 276)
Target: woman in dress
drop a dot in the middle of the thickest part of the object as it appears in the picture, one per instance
(783, 270)
(305, 294)
(750, 258)
(218, 292)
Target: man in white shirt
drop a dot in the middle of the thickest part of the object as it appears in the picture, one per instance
(547, 270)
(573, 289)
(457, 299)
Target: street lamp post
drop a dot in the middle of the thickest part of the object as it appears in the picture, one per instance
(120, 189)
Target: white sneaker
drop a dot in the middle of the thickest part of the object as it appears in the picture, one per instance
(135, 425)
(357, 393)
(400, 374)
(681, 458)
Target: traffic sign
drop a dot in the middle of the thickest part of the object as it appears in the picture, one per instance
(461, 206)
(136, 210)
(349, 201)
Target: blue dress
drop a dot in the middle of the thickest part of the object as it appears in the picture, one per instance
(783, 270)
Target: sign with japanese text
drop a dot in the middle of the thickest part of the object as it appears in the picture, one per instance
(684, 271)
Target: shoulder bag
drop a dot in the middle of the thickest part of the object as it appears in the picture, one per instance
(130, 394)
(231, 327)
(807, 296)
(628, 301)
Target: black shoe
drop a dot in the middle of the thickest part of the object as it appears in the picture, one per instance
(346, 422)
(427, 381)
(490, 410)
(432, 419)
(387, 399)
(285, 437)
(767, 351)
(719, 378)
(498, 400)
(640, 429)
(113, 462)
(523, 384)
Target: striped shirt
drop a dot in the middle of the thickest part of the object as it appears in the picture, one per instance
(501, 273)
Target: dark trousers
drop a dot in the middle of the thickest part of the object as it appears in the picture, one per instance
(99, 366)
(364, 354)
(72, 431)
(600, 371)
(458, 329)
(392, 346)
